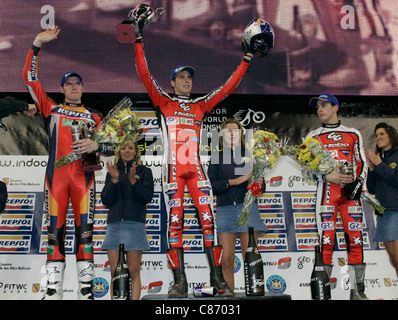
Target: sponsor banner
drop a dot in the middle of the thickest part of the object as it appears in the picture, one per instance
(22, 277)
(15, 243)
(16, 222)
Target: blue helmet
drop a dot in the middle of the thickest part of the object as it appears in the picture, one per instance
(259, 37)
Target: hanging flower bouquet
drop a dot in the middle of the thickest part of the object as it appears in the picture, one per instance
(120, 125)
(315, 158)
(373, 202)
(266, 152)
(67, 159)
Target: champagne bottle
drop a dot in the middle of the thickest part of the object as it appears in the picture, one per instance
(254, 272)
(121, 278)
(320, 284)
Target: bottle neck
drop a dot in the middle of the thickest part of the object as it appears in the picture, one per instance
(121, 254)
(252, 240)
(318, 256)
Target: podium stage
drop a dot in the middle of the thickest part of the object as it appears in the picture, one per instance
(238, 296)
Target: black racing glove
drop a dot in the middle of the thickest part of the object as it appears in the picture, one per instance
(352, 190)
(261, 47)
(246, 50)
(138, 27)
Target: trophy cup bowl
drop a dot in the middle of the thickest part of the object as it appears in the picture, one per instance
(91, 161)
(142, 14)
(347, 169)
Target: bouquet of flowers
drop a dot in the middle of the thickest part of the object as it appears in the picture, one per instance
(373, 202)
(266, 152)
(120, 124)
(314, 157)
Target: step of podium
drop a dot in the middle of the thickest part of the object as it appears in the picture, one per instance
(237, 296)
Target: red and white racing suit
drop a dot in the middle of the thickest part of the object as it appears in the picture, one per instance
(68, 181)
(345, 145)
(180, 120)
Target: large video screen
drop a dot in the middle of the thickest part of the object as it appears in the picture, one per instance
(343, 47)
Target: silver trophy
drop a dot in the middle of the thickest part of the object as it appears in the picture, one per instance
(142, 15)
(91, 161)
(347, 168)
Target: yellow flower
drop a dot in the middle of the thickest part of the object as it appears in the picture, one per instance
(259, 153)
(315, 163)
(314, 157)
(271, 158)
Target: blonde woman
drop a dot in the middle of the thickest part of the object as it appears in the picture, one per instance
(127, 191)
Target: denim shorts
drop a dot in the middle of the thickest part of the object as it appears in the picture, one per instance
(387, 227)
(227, 218)
(131, 233)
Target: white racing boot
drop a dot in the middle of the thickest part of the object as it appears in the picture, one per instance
(85, 276)
(55, 272)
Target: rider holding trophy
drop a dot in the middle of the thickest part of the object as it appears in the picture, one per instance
(74, 181)
(340, 191)
(180, 118)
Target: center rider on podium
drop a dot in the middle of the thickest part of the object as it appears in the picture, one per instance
(180, 119)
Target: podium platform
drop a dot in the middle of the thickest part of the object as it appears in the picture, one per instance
(241, 296)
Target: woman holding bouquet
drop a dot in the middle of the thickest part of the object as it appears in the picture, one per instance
(383, 182)
(229, 173)
(127, 191)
